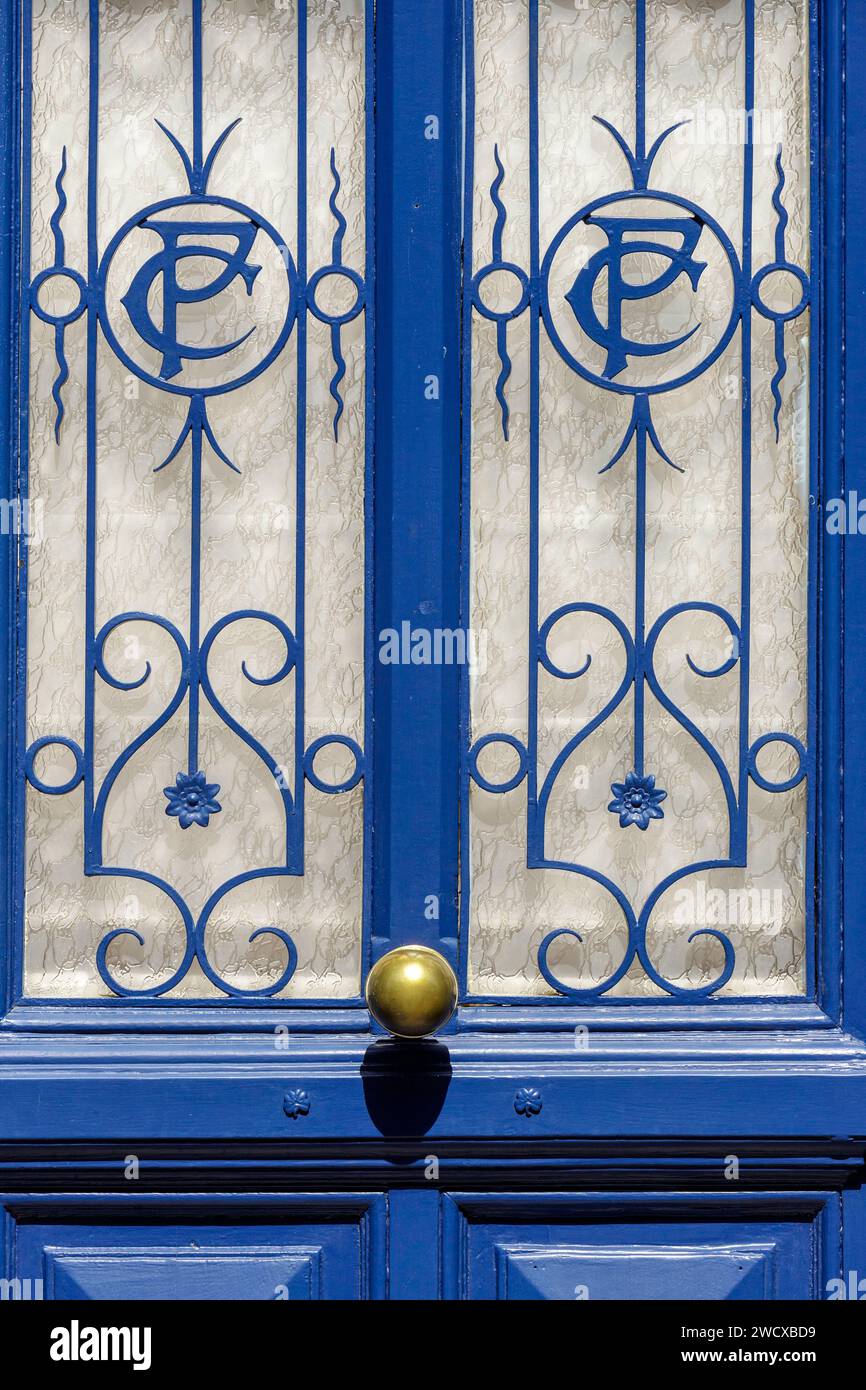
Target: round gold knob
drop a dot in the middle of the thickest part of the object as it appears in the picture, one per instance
(412, 991)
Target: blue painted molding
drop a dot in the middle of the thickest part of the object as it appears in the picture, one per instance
(773, 1088)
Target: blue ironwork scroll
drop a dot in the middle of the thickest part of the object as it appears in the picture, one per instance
(673, 240)
(140, 314)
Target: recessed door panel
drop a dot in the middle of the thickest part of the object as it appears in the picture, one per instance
(287, 1249)
(586, 1247)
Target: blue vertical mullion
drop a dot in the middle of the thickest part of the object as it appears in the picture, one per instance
(301, 440)
(641, 415)
(640, 82)
(417, 445)
(195, 540)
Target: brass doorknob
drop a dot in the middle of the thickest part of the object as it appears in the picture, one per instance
(412, 991)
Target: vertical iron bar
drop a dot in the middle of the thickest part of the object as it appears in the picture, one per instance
(417, 486)
(369, 784)
(535, 831)
(301, 439)
(197, 89)
(640, 83)
(739, 832)
(640, 589)
(195, 588)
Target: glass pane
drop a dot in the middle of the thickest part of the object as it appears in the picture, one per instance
(197, 455)
(637, 386)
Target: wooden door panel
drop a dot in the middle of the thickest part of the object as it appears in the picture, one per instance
(627, 1246)
(289, 1248)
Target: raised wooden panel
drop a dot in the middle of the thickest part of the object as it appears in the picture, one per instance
(240, 1273)
(291, 1247)
(633, 1271)
(626, 1246)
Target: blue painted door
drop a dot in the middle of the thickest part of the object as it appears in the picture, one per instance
(432, 463)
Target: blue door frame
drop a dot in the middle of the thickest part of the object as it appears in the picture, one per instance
(503, 1099)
